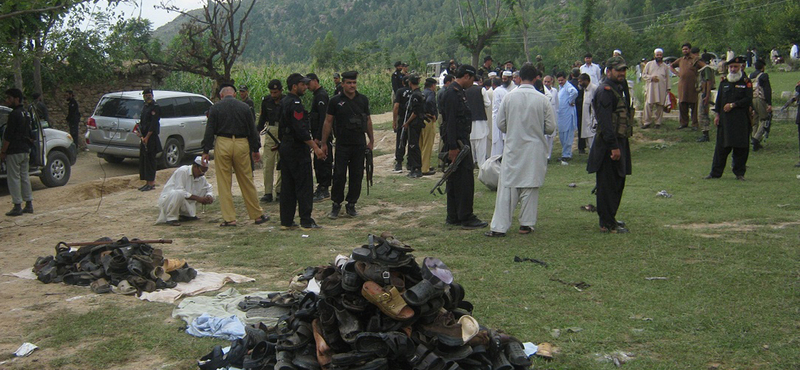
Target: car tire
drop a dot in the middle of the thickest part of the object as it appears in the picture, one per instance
(57, 170)
(172, 154)
(113, 159)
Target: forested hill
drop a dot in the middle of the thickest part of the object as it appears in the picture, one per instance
(284, 31)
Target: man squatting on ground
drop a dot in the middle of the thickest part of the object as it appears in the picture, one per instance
(349, 117)
(610, 155)
(186, 187)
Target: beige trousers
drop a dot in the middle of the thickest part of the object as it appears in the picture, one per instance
(233, 154)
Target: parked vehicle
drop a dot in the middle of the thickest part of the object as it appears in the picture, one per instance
(111, 133)
(53, 161)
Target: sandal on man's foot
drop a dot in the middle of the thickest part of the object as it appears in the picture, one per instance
(174, 223)
(261, 219)
(228, 223)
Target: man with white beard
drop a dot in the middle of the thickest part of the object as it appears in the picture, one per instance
(656, 77)
(734, 98)
(552, 95)
(498, 137)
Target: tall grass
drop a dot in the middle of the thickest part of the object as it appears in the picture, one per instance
(374, 84)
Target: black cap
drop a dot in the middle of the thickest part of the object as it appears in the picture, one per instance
(243, 88)
(296, 78)
(487, 58)
(398, 64)
(430, 80)
(350, 75)
(313, 76)
(738, 59)
(147, 90)
(275, 85)
(465, 69)
(508, 61)
(413, 79)
(336, 75)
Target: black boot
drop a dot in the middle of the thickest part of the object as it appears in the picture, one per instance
(28, 207)
(704, 138)
(337, 207)
(16, 211)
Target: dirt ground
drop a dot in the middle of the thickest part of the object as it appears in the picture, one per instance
(100, 200)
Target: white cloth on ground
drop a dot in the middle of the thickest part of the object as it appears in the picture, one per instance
(225, 304)
(203, 282)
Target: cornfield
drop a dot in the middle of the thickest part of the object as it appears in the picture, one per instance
(375, 84)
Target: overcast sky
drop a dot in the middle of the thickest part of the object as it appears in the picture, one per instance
(159, 17)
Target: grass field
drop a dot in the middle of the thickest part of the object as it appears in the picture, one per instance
(724, 252)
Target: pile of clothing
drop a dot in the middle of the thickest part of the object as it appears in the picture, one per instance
(123, 266)
(377, 309)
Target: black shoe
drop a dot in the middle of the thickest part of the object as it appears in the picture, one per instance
(16, 211)
(312, 225)
(581, 151)
(525, 230)
(704, 138)
(494, 234)
(350, 209)
(740, 177)
(683, 127)
(183, 218)
(429, 173)
(266, 198)
(335, 211)
(321, 194)
(756, 145)
(472, 224)
(620, 223)
(28, 207)
(141, 188)
(452, 223)
(709, 177)
(414, 174)
(398, 167)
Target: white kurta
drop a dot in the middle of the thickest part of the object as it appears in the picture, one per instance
(526, 116)
(567, 116)
(656, 92)
(480, 132)
(593, 70)
(173, 203)
(497, 136)
(552, 96)
(588, 119)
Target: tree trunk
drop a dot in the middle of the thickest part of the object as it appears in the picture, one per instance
(17, 65)
(37, 65)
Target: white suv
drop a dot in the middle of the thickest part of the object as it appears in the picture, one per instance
(53, 161)
(183, 124)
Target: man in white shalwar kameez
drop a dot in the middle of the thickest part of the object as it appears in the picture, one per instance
(498, 137)
(187, 187)
(656, 78)
(567, 116)
(588, 119)
(526, 116)
(552, 95)
(478, 102)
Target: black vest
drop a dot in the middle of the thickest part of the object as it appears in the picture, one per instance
(475, 102)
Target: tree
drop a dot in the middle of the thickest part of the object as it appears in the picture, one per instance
(324, 51)
(208, 45)
(481, 20)
(586, 22)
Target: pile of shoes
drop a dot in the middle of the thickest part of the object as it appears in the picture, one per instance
(378, 309)
(123, 266)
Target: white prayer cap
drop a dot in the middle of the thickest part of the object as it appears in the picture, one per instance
(658, 50)
(617, 51)
(507, 73)
(200, 162)
(492, 74)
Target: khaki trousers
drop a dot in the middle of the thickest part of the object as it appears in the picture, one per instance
(270, 159)
(426, 144)
(653, 111)
(234, 154)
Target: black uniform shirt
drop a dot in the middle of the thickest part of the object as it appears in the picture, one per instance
(294, 131)
(604, 104)
(18, 132)
(41, 108)
(150, 119)
(73, 113)
(456, 117)
(346, 112)
(734, 125)
(416, 103)
(230, 117)
(270, 112)
(397, 80)
(319, 108)
(252, 106)
(431, 107)
(401, 98)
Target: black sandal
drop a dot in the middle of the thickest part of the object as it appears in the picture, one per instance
(261, 219)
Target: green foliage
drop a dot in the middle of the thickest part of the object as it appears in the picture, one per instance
(324, 51)
(131, 39)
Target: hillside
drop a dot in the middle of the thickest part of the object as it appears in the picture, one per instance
(284, 31)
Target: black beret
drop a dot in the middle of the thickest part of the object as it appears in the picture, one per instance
(350, 75)
(147, 90)
(296, 78)
(466, 69)
(738, 59)
(398, 64)
(487, 58)
(275, 85)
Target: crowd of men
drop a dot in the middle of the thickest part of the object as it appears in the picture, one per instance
(506, 115)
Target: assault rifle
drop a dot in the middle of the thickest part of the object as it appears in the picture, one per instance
(448, 171)
(369, 167)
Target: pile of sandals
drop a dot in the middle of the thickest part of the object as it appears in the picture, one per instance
(123, 266)
(377, 309)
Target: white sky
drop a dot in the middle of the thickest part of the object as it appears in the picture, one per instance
(159, 17)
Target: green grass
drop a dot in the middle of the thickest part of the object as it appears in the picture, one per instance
(728, 250)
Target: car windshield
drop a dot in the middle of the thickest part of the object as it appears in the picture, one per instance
(119, 108)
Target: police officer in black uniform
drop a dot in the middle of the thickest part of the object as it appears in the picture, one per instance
(323, 168)
(268, 124)
(337, 82)
(456, 127)
(349, 117)
(413, 126)
(397, 77)
(295, 163)
(73, 117)
(610, 155)
(244, 95)
(399, 115)
(150, 146)
(734, 97)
